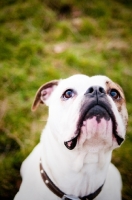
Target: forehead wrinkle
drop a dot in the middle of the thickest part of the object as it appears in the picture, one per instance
(80, 83)
(77, 82)
(99, 80)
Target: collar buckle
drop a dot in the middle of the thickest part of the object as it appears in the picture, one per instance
(70, 197)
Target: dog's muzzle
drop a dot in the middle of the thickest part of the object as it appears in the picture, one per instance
(95, 104)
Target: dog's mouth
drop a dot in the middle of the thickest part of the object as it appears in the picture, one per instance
(99, 112)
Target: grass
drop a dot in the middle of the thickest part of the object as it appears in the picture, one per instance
(45, 40)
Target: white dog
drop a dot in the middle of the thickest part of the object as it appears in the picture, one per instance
(87, 120)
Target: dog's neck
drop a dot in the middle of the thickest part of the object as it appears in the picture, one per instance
(69, 170)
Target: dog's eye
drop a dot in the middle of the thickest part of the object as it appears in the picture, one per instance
(114, 94)
(68, 94)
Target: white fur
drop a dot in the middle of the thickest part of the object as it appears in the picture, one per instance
(84, 169)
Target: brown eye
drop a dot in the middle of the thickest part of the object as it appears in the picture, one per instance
(114, 94)
(68, 94)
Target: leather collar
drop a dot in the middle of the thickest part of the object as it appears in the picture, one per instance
(61, 194)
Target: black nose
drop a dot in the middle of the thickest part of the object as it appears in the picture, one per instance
(95, 91)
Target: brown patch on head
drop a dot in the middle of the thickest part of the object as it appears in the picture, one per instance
(119, 109)
(111, 85)
(121, 102)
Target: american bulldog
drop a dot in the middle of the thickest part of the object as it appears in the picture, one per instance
(87, 120)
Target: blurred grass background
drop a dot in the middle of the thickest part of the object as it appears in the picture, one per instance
(41, 40)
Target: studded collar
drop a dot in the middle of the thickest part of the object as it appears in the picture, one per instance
(61, 194)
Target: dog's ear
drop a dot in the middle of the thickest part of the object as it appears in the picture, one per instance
(44, 93)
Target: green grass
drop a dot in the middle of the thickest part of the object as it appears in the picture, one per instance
(45, 40)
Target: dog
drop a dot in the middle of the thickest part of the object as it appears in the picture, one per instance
(87, 120)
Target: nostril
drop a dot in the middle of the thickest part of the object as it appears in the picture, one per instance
(90, 90)
(101, 90)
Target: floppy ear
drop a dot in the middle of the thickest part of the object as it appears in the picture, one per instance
(44, 93)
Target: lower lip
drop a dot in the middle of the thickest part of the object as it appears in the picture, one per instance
(91, 128)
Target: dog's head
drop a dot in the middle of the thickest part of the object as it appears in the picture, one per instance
(85, 112)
